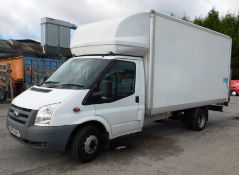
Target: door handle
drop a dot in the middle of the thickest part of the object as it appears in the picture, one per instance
(137, 99)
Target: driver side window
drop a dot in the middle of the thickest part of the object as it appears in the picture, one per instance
(126, 78)
(122, 74)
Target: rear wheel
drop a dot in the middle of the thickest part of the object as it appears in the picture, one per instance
(196, 119)
(86, 144)
(199, 119)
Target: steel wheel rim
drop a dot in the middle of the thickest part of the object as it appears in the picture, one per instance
(201, 120)
(91, 144)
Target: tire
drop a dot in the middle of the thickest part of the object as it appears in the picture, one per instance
(196, 119)
(86, 144)
(199, 119)
(234, 93)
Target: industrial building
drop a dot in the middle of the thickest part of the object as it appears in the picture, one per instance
(24, 63)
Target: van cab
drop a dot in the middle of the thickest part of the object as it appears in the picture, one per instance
(83, 91)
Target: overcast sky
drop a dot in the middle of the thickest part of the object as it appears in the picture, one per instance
(20, 19)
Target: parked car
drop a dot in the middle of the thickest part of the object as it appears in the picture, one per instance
(234, 87)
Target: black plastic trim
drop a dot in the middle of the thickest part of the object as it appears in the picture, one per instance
(53, 138)
(40, 90)
(109, 54)
(137, 99)
(20, 108)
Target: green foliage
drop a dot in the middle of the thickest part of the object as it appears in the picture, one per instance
(186, 18)
(212, 21)
(198, 21)
(228, 25)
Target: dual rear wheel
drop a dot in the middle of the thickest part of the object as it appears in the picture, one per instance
(196, 119)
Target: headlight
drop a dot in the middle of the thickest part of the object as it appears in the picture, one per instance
(43, 117)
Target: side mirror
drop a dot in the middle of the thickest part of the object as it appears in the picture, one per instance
(107, 89)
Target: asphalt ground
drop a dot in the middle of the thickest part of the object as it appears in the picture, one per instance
(162, 148)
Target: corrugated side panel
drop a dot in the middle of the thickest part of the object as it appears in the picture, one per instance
(3, 54)
(36, 68)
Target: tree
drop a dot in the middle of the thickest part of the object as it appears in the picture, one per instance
(212, 21)
(198, 21)
(228, 25)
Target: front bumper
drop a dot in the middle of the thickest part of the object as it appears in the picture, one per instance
(53, 138)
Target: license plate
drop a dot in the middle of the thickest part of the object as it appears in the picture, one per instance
(14, 131)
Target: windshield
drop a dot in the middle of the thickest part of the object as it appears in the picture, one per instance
(76, 73)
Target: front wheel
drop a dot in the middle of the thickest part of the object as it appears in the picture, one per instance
(86, 144)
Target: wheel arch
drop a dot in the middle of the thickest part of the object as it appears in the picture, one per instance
(103, 126)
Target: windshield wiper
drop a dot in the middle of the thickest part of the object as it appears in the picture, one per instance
(71, 84)
(51, 82)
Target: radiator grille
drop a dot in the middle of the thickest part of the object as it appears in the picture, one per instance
(19, 114)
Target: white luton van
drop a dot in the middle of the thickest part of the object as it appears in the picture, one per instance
(127, 70)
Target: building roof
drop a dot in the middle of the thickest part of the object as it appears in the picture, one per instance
(29, 47)
(20, 47)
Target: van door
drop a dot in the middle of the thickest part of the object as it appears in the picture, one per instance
(121, 110)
